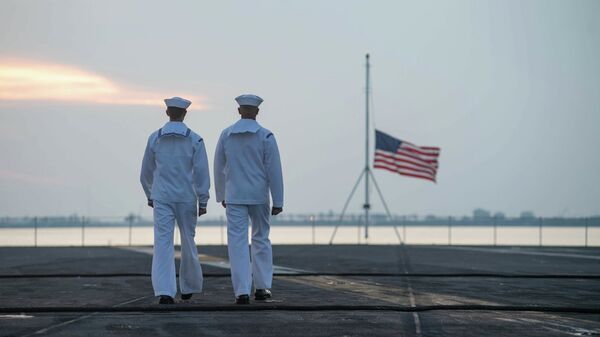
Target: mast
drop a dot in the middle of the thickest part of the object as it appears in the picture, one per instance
(367, 205)
(366, 172)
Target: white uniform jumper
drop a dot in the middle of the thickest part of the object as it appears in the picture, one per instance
(175, 176)
(247, 167)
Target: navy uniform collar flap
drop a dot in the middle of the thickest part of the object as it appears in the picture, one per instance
(245, 125)
(174, 129)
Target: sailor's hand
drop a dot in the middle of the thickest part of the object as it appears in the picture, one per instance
(276, 210)
(201, 210)
(224, 204)
(151, 203)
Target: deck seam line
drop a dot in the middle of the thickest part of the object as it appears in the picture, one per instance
(232, 308)
(482, 275)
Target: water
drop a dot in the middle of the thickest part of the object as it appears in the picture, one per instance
(217, 235)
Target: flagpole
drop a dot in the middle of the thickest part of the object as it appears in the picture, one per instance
(367, 205)
(366, 172)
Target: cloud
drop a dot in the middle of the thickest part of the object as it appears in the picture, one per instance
(30, 81)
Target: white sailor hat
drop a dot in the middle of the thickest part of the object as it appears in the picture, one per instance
(177, 102)
(248, 99)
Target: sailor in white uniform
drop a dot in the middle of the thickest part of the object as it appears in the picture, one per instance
(175, 178)
(247, 167)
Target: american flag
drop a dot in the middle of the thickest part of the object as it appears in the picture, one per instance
(405, 158)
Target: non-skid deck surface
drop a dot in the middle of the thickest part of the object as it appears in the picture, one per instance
(318, 290)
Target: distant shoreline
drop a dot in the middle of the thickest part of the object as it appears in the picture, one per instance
(545, 222)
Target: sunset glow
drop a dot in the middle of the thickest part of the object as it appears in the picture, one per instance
(20, 81)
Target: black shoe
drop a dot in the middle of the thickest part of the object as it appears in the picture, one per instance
(164, 299)
(186, 296)
(262, 294)
(242, 299)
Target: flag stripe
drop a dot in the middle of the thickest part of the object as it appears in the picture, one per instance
(420, 150)
(405, 173)
(430, 148)
(419, 153)
(385, 168)
(417, 176)
(409, 160)
(406, 166)
(427, 159)
(388, 167)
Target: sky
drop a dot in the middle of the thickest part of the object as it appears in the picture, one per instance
(509, 90)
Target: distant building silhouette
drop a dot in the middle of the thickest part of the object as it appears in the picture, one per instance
(481, 214)
(527, 215)
(500, 215)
